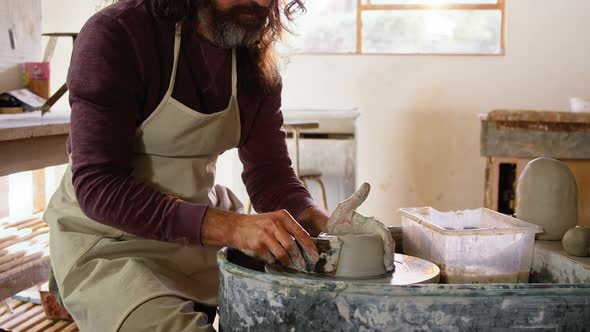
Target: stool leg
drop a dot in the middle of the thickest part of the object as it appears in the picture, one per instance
(323, 189)
(249, 207)
(304, 181)
(297, 162)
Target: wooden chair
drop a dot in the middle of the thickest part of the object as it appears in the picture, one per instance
(305, 175)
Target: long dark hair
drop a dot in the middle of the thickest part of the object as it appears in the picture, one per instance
(259, 61)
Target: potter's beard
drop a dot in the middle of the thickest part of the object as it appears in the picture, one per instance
(240, 26)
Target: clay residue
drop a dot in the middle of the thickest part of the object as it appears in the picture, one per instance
(550, 266)
(461, 276)
(329, 260)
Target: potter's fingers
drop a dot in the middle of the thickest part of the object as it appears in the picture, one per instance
(389, 255)
(388, 247)
(354, 201)
(389, 262)
(277, 250)
(288, 242)
(300, 235)
(269, 258)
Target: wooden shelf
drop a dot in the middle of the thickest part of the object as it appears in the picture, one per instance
(29, 317)
(24, 255)
(536, 116)
(531, 134)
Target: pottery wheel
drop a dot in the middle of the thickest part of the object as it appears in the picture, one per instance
(409, 270)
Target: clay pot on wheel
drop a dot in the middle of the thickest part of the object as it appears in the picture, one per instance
(361, 256)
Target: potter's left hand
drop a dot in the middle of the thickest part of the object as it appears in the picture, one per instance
(345, 220)
(314, 220)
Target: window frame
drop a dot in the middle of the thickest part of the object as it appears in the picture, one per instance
(368, 6)
(500, 5)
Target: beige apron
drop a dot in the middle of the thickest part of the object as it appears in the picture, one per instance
(103, 273)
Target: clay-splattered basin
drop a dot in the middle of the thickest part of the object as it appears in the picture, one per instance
(252, 300)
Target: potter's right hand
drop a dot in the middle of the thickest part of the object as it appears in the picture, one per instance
(269, 236)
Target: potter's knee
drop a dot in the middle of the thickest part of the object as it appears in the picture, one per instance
(165, 314)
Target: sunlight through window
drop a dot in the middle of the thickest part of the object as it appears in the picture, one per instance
(399, 27)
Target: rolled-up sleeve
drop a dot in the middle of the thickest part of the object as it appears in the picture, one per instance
(269, 178)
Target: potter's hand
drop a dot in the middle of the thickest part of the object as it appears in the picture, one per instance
(345, 220)
(268, 236)
(314, 220)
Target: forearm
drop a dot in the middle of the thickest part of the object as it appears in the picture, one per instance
(268, 236)
(217, 229)
(120, 201)
(314, 220)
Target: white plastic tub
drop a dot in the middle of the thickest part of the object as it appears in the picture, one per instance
(472, 246)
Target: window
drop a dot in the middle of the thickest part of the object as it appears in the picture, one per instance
(399, 27)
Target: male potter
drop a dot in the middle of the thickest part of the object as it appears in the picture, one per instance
(158, 90)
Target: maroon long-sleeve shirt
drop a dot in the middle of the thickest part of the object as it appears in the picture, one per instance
(120, 70)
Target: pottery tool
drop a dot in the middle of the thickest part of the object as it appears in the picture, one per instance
(329, 248)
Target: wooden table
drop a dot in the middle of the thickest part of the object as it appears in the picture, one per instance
(28, 142)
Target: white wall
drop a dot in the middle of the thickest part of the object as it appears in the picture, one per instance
(64, 16)
(24, 16)
(419, 130)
